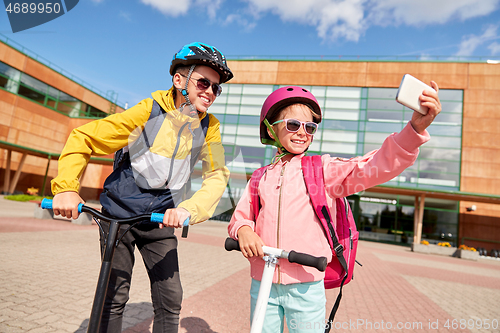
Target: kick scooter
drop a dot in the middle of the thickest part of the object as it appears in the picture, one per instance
(271, 256)
(111, 243)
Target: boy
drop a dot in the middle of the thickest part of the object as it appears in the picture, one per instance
(187, 134)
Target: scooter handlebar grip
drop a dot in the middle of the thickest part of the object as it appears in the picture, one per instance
(308, 260)
(157, 217)
(46, 203)
(231, 244)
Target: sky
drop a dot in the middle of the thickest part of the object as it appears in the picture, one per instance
(126, 46)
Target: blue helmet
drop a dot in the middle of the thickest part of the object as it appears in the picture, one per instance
(202, 54)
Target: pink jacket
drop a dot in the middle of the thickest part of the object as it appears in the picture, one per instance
(287, 219)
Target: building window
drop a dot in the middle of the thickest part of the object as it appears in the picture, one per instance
(27, 86)
(355, 122)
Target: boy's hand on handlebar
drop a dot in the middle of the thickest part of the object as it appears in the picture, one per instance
(66, 204)
(175, 217)
(250, 243)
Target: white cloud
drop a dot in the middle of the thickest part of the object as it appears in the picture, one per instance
(337, 19)
(495, 48)
(424, 12)
(332, 18)
(241, 21)
(211, 6)
(471, 42)
(169, 7)
(181, 7)
(126, 15)
(349, 19)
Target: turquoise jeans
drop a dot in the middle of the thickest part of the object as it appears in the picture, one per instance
(301, 304)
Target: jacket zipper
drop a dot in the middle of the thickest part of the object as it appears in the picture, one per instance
(280, 184)
(175, 151)
(171, 162)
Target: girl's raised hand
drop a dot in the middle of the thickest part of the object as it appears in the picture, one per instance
(430, 99)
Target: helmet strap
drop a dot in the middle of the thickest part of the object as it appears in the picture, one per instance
(184, 93)
(276, 142)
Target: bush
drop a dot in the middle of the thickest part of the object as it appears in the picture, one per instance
(25, 197)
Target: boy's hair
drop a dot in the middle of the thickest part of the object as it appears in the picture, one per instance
(183, 70)
(276, 116)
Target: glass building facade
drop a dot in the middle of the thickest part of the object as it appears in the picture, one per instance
(35, 90)
(356, 120)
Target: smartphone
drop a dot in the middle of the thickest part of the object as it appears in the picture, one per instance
(409, 92)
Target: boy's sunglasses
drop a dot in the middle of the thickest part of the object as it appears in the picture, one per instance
(204, 84)
(293, 125)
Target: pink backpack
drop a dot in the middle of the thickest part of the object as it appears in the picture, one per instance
(341, 233)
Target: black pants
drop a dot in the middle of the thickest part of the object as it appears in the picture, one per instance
(158, 248)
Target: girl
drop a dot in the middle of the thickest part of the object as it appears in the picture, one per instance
(286, 220)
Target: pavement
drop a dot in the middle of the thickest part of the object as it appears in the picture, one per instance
(49, 269)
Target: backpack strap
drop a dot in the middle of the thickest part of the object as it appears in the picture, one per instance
(254, 190)
(148, 135)
(121, 154)
(312, 168)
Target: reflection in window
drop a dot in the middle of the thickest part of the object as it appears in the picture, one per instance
(453, 118)
(249, 120)
(340, 125)
(384, 127)
(253, 151)
(3, 81)
(31, 94)
(450, 95)
(440, 154)
(390, 115)
(436, 129)
(439, 166)
(387, 93)
(383, 104)
(93, 112)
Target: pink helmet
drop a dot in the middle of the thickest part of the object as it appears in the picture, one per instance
(282, 98)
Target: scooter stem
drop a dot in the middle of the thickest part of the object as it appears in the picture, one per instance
(264, 291)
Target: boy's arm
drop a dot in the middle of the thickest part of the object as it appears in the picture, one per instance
(100, 137)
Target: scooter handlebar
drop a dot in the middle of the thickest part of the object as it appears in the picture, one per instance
(319, 263)
(155, 217)
(308, 260)
(231, 244)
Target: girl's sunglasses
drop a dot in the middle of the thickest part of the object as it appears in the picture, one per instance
(204, 84)
(293, 125)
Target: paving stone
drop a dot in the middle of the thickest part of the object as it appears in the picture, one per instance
(52, 288)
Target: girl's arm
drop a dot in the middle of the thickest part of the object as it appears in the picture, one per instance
(398, 152)
(242, 226)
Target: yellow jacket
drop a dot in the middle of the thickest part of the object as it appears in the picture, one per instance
(105, 136)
